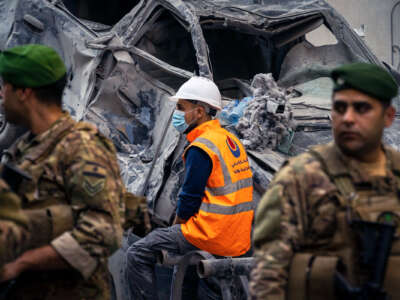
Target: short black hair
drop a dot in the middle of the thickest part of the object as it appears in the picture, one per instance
(52, 93)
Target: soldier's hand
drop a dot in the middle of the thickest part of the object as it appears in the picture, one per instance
(136, 214)
(11, 271)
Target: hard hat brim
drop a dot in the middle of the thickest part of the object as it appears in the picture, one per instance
(195, 98)
(174, 98)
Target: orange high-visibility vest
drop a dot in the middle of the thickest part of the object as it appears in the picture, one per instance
(222, 226)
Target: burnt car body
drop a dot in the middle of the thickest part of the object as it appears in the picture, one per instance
(120, 76)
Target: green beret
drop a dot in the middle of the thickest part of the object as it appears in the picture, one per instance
(31, 66)
(367, 78)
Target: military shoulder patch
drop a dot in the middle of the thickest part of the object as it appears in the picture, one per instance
(94, 178)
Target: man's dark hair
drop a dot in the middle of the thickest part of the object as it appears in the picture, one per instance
(52, 93)
(212, 112)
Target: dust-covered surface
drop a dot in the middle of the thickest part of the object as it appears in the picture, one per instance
(268, 120)
(120, 76)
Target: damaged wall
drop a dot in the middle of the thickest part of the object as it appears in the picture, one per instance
(374, 15)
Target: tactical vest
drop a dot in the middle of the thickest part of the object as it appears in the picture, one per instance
(222, 225)
(50, 221)
(135, 215)
(312, 271)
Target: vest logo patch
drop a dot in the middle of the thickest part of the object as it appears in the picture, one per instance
(233, 147)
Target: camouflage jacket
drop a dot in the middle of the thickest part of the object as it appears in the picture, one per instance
(14, 233)
(299, 211)
(73, 164)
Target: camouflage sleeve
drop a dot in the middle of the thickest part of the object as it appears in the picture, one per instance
(13, 225)
(18, 227)
(281, 222)
(95, 190)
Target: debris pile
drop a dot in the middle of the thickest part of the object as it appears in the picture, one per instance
(267, 121)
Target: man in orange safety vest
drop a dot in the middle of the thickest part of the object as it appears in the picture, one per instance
(215, 208)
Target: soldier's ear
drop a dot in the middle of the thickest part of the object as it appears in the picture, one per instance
(389, 115)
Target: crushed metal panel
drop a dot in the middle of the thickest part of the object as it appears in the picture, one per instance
(109, 87)
(305, 62)
(108, 84)
(139, 119)
(59, 30)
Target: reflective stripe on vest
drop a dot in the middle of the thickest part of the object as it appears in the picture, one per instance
(222, 226)
(229, 187)
(227, 210)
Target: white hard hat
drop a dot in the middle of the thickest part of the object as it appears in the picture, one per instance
(200, 89)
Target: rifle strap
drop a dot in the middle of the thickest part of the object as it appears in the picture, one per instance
(298, 276)
(321, 278)
(311, 277)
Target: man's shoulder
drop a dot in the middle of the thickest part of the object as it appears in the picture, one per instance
(304, 165)
(394, 157)
(303, 162)
(81, 129)
(86, 136)
(84, 131)
(217, 133)
(220, 136)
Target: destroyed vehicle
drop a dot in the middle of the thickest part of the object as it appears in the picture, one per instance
(121, 74)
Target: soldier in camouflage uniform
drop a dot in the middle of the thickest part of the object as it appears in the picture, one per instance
(298, 232)
(75, 189)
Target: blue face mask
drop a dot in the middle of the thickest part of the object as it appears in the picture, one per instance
(178, 121)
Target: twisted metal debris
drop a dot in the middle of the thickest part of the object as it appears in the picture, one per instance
(267, 121)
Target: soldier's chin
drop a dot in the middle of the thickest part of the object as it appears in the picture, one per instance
(351, 149)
